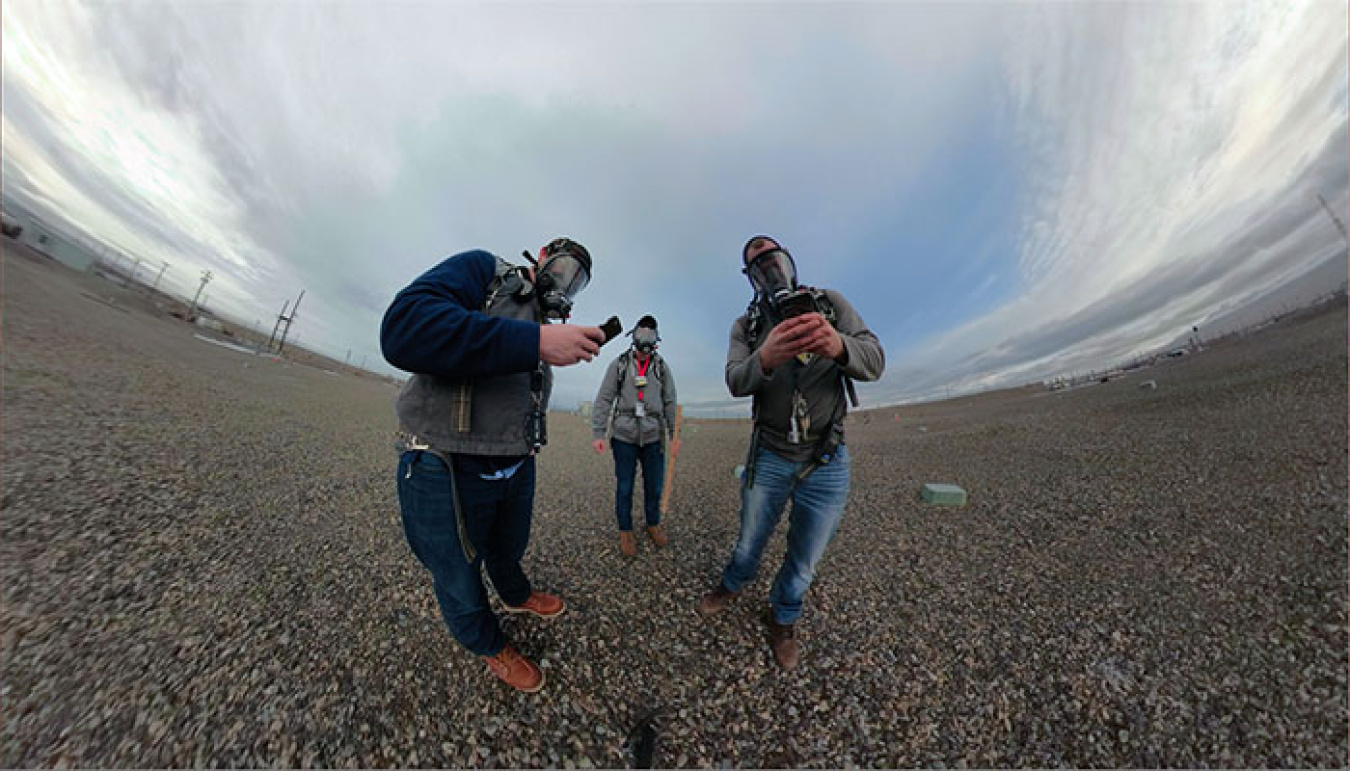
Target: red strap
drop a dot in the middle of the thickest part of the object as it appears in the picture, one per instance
(642, 368)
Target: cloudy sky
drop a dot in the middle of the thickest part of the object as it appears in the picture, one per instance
(1004, 191)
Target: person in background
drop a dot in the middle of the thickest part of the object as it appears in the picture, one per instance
(635, 408)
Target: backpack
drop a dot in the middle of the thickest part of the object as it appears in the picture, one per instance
(508, 280)
(625, 361)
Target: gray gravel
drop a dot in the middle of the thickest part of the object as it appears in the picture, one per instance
(202, 564)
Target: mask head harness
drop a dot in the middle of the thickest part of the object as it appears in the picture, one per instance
(773, 276)
(645, 336)
(561, 272)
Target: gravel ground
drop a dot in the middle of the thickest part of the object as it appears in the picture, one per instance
(202, 564)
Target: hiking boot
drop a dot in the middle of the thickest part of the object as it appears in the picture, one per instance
(783, 642)
(717, 600)
(540, 604)
(627, 543)
(516, 670)
(658, 535)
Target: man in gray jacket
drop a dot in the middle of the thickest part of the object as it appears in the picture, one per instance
(637, 397)
(796, 351)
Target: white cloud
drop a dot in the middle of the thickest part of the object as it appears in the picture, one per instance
(346, 147)
(1155, 134)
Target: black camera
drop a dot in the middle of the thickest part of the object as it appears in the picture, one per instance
(611, 328)
(794, 303)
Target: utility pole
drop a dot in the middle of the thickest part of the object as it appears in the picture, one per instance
(281, 346)
(163, 267)
(280, 318)
(348, 361)
(1337, 220)
(206, 278)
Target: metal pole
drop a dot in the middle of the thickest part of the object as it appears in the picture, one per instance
(277, 325)
(281, 346)
(206, 277)
(160, 275)
(1339, 225)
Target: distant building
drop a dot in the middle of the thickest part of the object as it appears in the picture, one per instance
(45, 238)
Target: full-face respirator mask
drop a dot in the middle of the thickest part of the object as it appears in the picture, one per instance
(773, 275)
(645, 339)
(563, 270)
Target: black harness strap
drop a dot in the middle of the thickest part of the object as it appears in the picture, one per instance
(461, 525)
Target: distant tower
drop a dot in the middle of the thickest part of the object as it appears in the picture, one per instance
(206, 278)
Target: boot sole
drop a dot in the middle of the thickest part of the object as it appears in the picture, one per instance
(535, 613)
(710, 612)
(543, 678)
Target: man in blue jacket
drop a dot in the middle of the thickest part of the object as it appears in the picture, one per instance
(475, 332)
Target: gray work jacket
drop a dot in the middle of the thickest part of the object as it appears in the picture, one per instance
(484, 416)
(658, 398)
(818, 380)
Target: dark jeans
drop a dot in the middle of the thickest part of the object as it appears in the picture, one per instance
(497, 516)
(626, 457)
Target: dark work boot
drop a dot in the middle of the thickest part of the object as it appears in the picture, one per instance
(716, 600)
(783, 642)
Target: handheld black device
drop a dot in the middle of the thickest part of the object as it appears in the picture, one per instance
(611, 328)
(795, 303)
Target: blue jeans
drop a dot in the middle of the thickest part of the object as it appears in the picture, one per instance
(497, 516)
(626, 457)
(817, 506)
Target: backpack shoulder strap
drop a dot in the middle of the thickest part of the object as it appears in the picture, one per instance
(754, 322)
(827, 309)
(507, 280)
(625, 359)
(825, 304)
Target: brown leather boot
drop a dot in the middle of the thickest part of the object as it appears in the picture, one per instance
(783, 642)
(540, 604)
(516, 670)
(627, 543)
(716, 600)
(658, 535)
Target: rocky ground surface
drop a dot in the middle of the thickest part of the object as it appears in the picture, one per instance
(202, 564)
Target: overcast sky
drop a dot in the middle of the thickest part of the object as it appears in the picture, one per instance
(1005, 192)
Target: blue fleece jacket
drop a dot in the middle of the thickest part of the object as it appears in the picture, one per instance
(436, 326)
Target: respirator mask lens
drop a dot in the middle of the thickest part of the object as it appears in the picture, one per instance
(559, 280)
(564, 274)
(772, 273)
(645, 339)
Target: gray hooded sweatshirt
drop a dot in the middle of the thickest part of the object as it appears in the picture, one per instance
(658, 398)
(818, 380)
